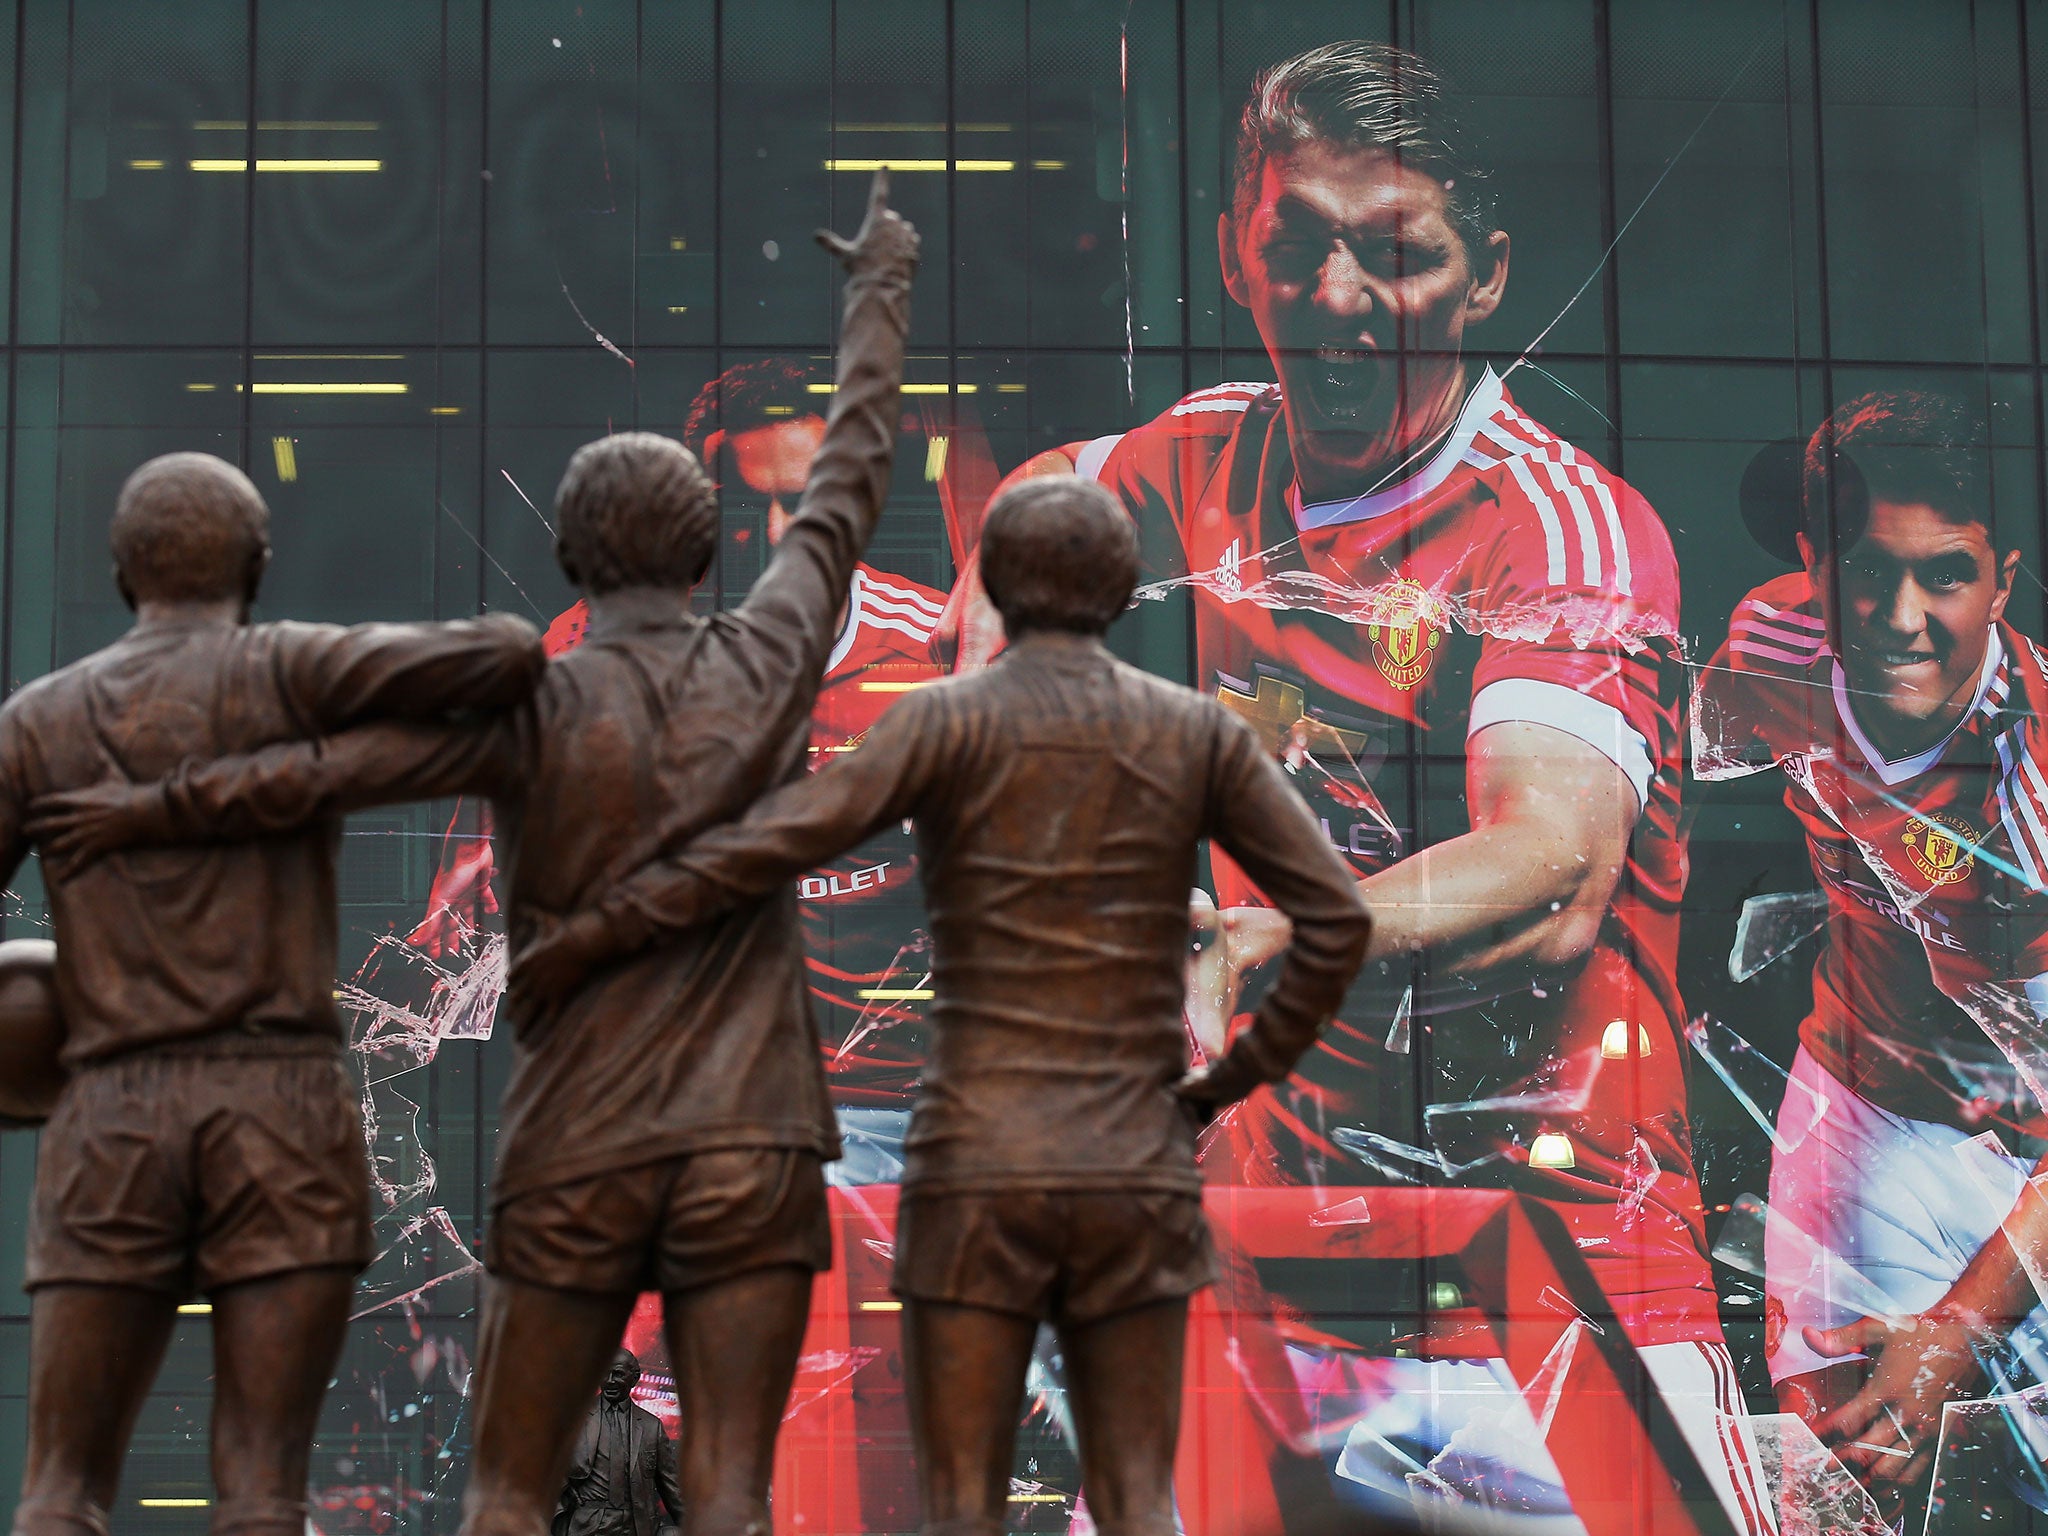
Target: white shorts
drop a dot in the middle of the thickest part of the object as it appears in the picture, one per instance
(1477, 1432)
(1873, 1211)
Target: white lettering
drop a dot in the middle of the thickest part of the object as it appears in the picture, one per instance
(817, 887)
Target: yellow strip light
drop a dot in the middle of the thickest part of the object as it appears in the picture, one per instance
(145, 165)
(229, 125)
(896, 994)
(175, 1503)
(329, 389)
(896, 687)
(287, 459)
(893, 164)
(908, 389)
(196, 1309)
(287, 165)
(444, 410)
(881, 1306)
(922, 127)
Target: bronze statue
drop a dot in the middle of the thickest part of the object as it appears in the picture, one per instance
(208, 1138)
(1059, 800)
(666, 1127)
(622, 1472)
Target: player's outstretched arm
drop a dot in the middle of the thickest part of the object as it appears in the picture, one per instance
(1267, 828)
(798, 597)
(785, 833)
(278, 789)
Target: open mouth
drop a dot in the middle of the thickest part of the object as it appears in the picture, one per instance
(1343, 380)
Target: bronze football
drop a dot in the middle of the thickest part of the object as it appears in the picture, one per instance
(31, 1032)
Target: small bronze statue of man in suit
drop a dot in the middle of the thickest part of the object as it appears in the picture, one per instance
(622, 1474)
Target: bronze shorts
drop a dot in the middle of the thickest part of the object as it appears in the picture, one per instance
(188, 1168)
(1055, 1255)
(673, 1225)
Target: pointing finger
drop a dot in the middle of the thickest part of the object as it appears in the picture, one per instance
(878, 193)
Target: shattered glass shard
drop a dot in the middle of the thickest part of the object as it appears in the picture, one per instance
(1346, 1213)
(1772, 926)
(1815, 1494)
(820, 1372)
(1384, 1155)
(1798, 1264)
(1988, 1464)
(1639, 1177)
(1544, 1389)
(426, 1253)
(1720, 1047)
(1400, 1037)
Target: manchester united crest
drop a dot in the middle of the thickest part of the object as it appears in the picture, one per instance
(1404, 651)
(1939, 846)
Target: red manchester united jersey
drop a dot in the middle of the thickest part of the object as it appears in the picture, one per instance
(868, 953)
(1509, 578)
(1933, 864)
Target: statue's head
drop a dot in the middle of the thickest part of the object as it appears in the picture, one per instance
(189, 528)
(624, 1375)
(1058, 552)
(635, 510)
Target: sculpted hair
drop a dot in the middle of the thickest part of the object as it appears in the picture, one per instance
(635, 510)
(189, 527)
(1058, 552)
(750, 395)
(1360, 95)
(1905, 446)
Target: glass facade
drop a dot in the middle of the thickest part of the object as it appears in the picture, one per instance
(479, 233)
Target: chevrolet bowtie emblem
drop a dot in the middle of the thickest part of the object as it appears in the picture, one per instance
(1277, 710)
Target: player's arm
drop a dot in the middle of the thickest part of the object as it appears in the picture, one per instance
(1529, 885)
(970, 630)
(1889, 1430)
(342, 677)
(281, 788)
(800, 593)
(1268, 829)
(785, 833)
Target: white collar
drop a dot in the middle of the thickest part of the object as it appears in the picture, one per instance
(1479, 407)
(1895, 773)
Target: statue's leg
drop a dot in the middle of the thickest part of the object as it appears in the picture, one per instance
(1123, 1383)
(734, 1345)
(93, 1354)
(965, 1370)
(541, 1355)
(275, 1344)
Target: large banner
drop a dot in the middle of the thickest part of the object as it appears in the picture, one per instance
(1600, 457)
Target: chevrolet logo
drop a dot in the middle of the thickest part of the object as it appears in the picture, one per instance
(1277, 710)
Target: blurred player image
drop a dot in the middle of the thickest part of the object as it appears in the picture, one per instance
(1903, 709)
(1458, 633)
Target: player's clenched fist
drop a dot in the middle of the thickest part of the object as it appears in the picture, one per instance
(887, 243)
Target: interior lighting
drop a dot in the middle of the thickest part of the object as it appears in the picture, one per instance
(287, 165)
(1614, 1041)
(894, 164)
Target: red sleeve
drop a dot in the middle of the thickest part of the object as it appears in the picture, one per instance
(1577, 607)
